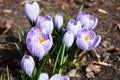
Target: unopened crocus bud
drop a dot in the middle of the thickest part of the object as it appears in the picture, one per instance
(87, 39)
(38, 42)
(27, 64)
(32, 11)
(73, 26)
(88, 21)
(43, 76)
(68, 39)
(59, 77)
(45, 23)
(58, 21)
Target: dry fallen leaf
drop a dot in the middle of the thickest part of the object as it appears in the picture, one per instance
(90, 75)
(8, 25)
(73, 73)
(94, 68)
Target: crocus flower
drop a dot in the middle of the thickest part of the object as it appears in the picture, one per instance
(87, 40)
(45, 23)
(68, 39)
(27, 64)
(32, 11)
(73, 26)
(38, 42)
(59, 77)
(43, 76)
(58, 21)
(88, 21)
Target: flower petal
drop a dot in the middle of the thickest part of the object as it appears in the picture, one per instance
(56, 77)
(58, 21)
(82, 44)
(27, 64)
(43, 76)
(68, 39)
(92, 35)
(95, 23)
(32, 10)
(96, 41)
(47, 24)
(66, 78)
(73, 26)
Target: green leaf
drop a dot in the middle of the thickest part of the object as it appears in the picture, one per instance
(16, 45)
(0, 77)
(56, 61)
(8, 74)
(62, 59)
(81, 8)
(20, 37)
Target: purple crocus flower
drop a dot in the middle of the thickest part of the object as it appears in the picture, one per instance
(27, 64)
(73, 26)
(32, 11)
(45, 23)
(44, 76)
(59, 77)
(88, 21)
(58, 21)
(68, 39)
(87, 40)
(38, 42)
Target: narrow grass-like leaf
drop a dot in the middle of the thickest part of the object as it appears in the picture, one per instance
(65, 58)
(8, 74)
(16, 45)
(62, 58)
(81, 8)
(23, 77)
(20, 37)
(4, 77)
(0, 77)
(56, 61)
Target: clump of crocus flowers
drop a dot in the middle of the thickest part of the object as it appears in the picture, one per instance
(39, 40)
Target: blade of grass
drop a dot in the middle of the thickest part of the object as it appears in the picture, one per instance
(62, 59)
(16, 45)
(4, 77)
(8, 74)
(1, 78)
(56, 61)
(81, 8)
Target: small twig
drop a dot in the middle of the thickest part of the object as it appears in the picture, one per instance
(102, 63)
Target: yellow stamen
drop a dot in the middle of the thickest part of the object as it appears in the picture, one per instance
(88, 17)
(45, 20)
(87, 37)
(37, 30)
(41, 39)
